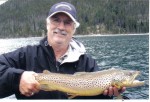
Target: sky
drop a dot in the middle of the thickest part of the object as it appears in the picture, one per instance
(2, 1)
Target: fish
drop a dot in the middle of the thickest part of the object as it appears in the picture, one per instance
(88, 83)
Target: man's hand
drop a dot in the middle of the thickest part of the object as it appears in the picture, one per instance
(28, 85)
(113, 91)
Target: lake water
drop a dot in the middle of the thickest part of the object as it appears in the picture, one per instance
(126, 52)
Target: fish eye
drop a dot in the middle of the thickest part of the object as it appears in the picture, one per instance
(130, 73)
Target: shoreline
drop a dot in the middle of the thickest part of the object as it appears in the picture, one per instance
(88, 35)
(109, 35)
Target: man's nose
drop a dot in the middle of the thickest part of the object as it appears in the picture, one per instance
(61, 25)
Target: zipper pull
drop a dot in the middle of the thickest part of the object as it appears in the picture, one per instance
(57, 65)
(57, 68)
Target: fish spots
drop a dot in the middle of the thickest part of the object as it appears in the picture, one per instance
(84, 84)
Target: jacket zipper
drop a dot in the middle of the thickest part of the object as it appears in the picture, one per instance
(55, 63)
(57, 68)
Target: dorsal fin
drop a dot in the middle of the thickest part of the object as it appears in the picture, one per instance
(80, 73)
(83, 74)
(46, 72)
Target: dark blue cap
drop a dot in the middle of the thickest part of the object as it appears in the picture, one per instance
(66, 8)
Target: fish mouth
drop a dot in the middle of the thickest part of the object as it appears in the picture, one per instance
(136, 83)
(137, 73)
(133, 82)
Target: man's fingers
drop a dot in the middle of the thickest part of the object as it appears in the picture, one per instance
(29, 94)
(122, 90)
(110, 91)
(28, 85)
(105, 92)
(35, 89)
(118, 92)
(115, 91)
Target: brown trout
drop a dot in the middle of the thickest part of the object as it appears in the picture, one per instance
(88, 83)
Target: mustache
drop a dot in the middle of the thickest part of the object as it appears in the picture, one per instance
(60, 31)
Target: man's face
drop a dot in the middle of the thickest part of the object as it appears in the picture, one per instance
(60, 29)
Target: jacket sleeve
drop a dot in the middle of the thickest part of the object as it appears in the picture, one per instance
(87, 63)
(11, 68)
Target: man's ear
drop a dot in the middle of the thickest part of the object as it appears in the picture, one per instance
(47, 26)
(47, 23)
(74, 29)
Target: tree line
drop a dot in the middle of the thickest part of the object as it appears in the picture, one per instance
(25, 18)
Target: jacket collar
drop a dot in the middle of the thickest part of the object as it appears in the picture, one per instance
(75, 50)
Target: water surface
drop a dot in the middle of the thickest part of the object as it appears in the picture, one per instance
(125, 52)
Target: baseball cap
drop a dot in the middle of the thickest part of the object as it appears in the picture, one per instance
(66, 8)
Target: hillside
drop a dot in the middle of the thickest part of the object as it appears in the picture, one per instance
(24, 18)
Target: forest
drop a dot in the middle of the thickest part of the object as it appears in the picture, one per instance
(27, 18)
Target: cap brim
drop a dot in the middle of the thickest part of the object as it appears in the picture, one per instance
(76, 22)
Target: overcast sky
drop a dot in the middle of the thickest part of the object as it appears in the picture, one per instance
(2, 1)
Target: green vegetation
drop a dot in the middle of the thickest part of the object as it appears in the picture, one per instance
(24, 18)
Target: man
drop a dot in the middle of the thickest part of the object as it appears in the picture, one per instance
(58, 53)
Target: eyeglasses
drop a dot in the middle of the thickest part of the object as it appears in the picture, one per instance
(57, 21)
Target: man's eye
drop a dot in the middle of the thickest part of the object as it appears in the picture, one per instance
(56, 20)
(68, 22)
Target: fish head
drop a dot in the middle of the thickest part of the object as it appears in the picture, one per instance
(127, 78)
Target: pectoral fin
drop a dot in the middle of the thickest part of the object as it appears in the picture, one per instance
(117, 84)
(119, 96)
(46, 87)
(80, 73)
(71, 95)
(46, 72)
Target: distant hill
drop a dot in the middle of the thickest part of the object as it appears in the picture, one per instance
(24, 18)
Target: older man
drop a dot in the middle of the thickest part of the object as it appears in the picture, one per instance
(58, 52)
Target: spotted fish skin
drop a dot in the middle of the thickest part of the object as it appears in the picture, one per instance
(88, 83)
